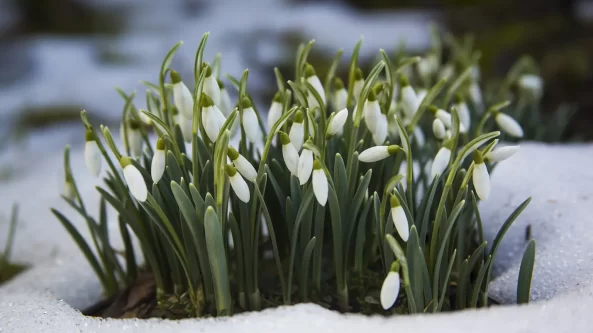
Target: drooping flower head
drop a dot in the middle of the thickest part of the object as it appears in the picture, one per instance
(92, 154)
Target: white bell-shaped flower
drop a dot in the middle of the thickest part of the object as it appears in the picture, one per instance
(176, 117)
(501, 154)
(92, 154)
(400, 220)
(297, 130)
(68, 191)
(313, 104)
(480, 176)
(289, 153)
(463, 114)
(305, 166)
(474, 73)
(420, 96)
(135, 138)
(250, 122)
(419, 136)
(358, 84)
(438, 129)
(186, 126)
(134, 179)
(475, 94)
(378, 153)
(340, 95)
(226, 106)
(211, 87)
(212, 118)
(447, 71)
(441, 114)
(238, 184)
(181, 95)
(441, 160)
(410, 101)
(144, 118)
(313, 80)
(242, 164)
(337, 122)
(320, 186)
(380, 132)
(390, 290)
(275, 111)
(371, 111)
(532, 83)
(508, 125)
(159, 161)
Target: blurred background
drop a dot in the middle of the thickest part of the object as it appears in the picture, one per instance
(58, 57)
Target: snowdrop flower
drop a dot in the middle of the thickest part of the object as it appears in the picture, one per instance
(144, 118)
(92, 154)
(501, 154)
(242, 164)
(410, 101)
(438, 129)
(211, 87)
(297, 130)
(399, 218)
(420, 96)
(238, 184)
(462, 113)
(340, 94)
(176, 116)
(419, 136)
(427, 65)
(358, 84)
(135, 138)
(532, 83)
(250, 122)
(186, 126)
(159, 161)
(441, 160)
(441, 114)
(312, 103)
(474, 73)
(289, 154)
(448, 134)
(336, 124)
(481, 177)
(319, 183)
(447, 72)
(380, 132)
(182, 96)
(134, 179)
(275, 111)
(378, 153)
(313, 80)
(212, 117)
(69, 191)
(371, 111)
(390, 289)
(475, 94)
(305, 166)
(225, 100)
(508, 125)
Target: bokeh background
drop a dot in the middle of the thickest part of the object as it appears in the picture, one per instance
(58, 57)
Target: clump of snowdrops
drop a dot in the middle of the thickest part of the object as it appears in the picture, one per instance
(358, 194)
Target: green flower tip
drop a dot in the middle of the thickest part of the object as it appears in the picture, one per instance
(208, 70)
(245, 102)
(309, 71)
(124, 161)
(432, 108)
(174, 110)
(393, 149)
(206, 101)
(299, 117)
(232, 153)
(284, 139)
(220, 84)
(378, 87)
(372, 96)
(89, 136)
(338, 83)
(448, 144)
(403, 81)
(394, 266)
(358, 74)
(230, 170)
(317, 164)
(160, 144)
(478, 158)
(459, 98)
(175, 77)
(134, 124)
(278, 97)
(394, 201)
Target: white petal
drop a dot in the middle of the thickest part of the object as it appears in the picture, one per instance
(291, 158)
(464, 117)
(390, 290)
(320, 186)
(92, 157)
(135, 141)
(135, 183)
(409, 101)
(357, 89)
(68, 191)
(374, 154)
(440, 163)
(340, 99)
(183, 99)
(225, 102)
(438, 129)
(157, 167)
(532, 83)
(240, 187)
(401, 222)
(314, 81)
(337, 122)
(144, 118)
(446, 72)
(420, 97)
(380, 132)
(245, 168)
(210, 119)
(419, 136)
(475, 93)
(297, 135)
(371, 112)
(251, 126)
(274, 114)
(481, 181)
(392, 128)
(186, 128)
(502, 153)
(509, 125)
(212, 89)
(305, 166)
(444, 116)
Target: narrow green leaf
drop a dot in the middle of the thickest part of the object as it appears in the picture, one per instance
(305, 269)
(526, 273)
(218, 263)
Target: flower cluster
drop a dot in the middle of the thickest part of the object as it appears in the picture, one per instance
(320, 176)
